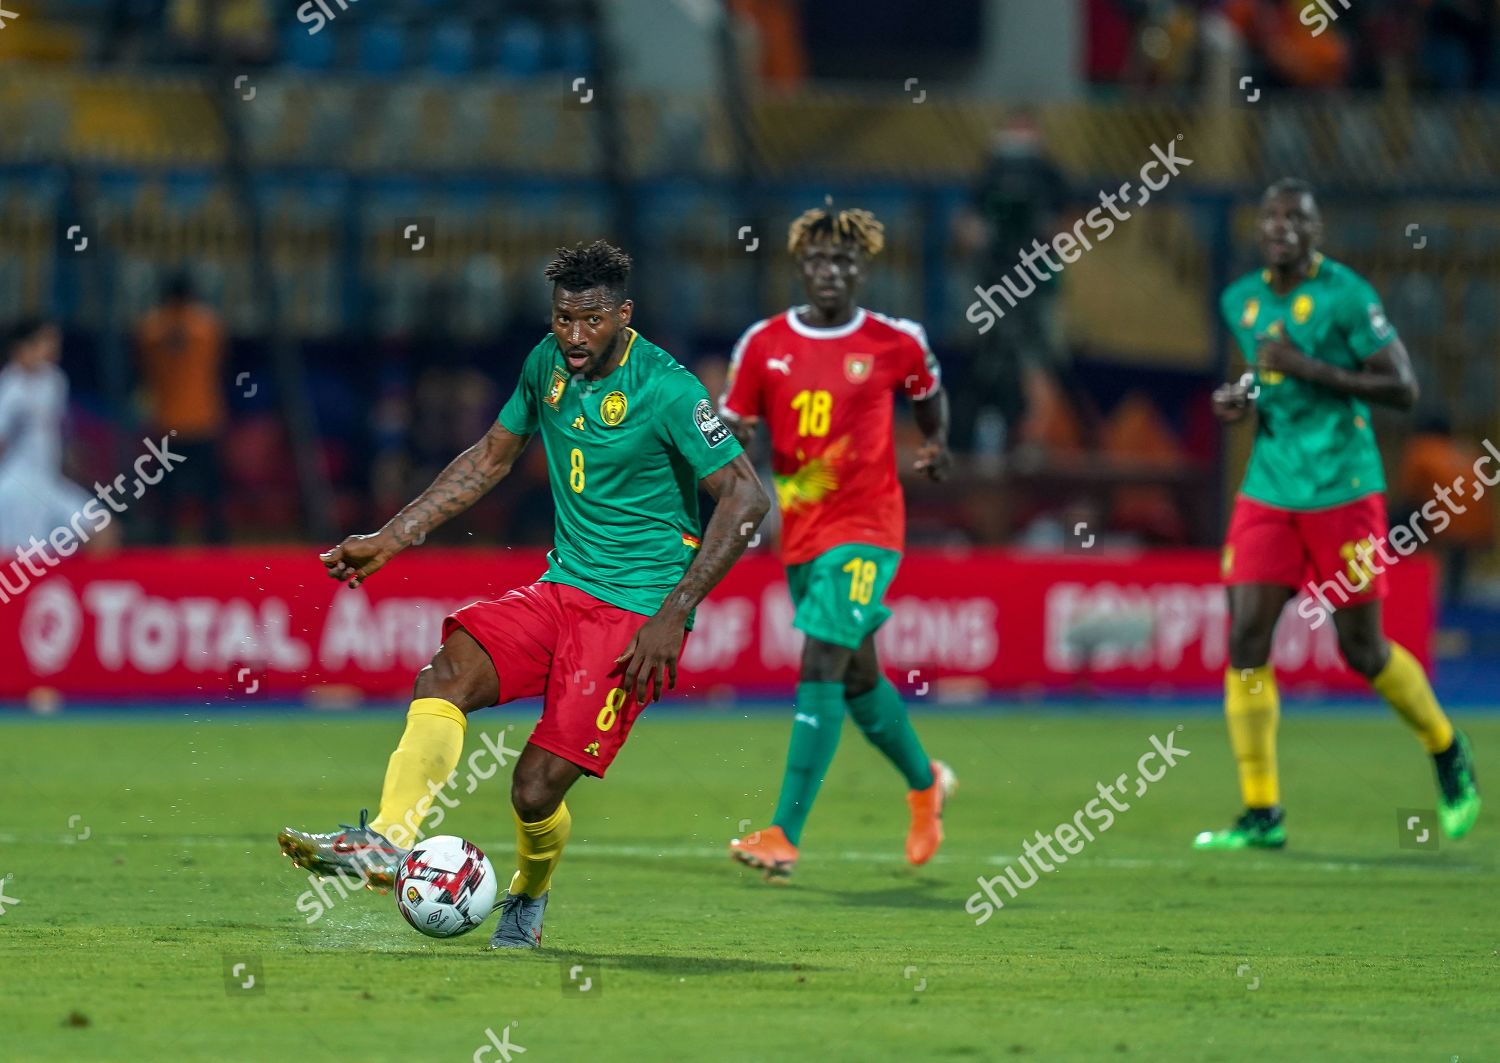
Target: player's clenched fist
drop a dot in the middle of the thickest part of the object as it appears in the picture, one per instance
(1231, 401)
(935, 459)
(359, 557)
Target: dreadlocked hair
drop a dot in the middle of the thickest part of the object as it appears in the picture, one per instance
(855, 224)
(599, 265)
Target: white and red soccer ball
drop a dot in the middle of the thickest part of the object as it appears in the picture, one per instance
(446, 886)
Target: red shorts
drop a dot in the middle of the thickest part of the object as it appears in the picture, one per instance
(1310, 548)
(559, 642)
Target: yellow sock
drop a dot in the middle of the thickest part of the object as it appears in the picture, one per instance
(1404, 685)
(428, 753)
(539, 847)
(1252, 708)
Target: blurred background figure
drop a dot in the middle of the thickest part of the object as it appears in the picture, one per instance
(1434, 460)
(180, 345)
(36, 499)
(1019, 198)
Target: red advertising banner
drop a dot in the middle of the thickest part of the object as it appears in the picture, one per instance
(267, 623)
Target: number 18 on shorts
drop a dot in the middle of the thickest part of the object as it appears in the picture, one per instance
(840, 595)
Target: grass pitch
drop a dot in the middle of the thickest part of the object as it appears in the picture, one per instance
(143, 870)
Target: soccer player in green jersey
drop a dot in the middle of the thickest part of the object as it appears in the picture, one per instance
(630, 437)
(1311, 510)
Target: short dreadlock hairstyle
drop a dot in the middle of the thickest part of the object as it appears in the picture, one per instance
(599, 265)
(854, 224)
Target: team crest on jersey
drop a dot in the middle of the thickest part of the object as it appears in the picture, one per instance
(714, 430)
(555, 389)
(1252, 311)
(613, 408)
(857, 367)
(1302, 309)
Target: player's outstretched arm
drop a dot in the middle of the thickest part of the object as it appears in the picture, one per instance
(1386, 376)
(467, 479)
(933, 456)
(741, 503)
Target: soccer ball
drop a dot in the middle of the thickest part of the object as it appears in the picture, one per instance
(446, 886)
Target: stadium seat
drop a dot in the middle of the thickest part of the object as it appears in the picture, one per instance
(450, 49)
(382, 47)
(306, 51)
(520, 48)
(1287, 147)
(572, 49)
(1416, 301)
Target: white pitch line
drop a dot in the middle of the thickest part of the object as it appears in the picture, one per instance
(583, 848)
(842, 856)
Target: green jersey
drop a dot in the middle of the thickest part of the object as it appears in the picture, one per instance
(624, 457)
(1314, 447)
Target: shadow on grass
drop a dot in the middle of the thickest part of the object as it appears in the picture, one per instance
(647, 962)
(684, 965)
(1420, 860)
(930, 894)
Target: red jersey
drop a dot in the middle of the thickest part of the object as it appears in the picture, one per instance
(826, 395)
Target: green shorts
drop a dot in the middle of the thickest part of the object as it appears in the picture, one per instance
(840, 595)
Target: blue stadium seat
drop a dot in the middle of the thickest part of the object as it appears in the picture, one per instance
(382, 47)
(1416, 304)
(520, 48)
(1478, 310)
(451, 48)
(306, 51)
(572, 49)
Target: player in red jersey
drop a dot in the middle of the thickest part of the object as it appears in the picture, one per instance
(822, 377)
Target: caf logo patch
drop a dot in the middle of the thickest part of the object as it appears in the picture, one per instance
(555, 389)
(857, 367)
(612, 409)
(412, 894)
(1252, 311)
(1302, 308)
(714, 430)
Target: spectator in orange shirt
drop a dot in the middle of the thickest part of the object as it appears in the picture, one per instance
(1434, 459)
(1292, 54)
(181, 349)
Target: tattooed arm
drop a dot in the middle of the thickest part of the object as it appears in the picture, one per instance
(466, 480)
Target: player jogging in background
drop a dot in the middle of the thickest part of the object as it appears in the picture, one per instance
(822, 377)
(35, 498)
(1311, 508)
(630, 436)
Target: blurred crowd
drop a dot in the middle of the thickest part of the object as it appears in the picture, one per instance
(1441, 45)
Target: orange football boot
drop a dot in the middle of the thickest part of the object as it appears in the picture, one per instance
(926, 832)
(768, 850)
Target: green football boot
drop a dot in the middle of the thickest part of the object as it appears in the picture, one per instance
(1458, 791)
(1257, 828)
